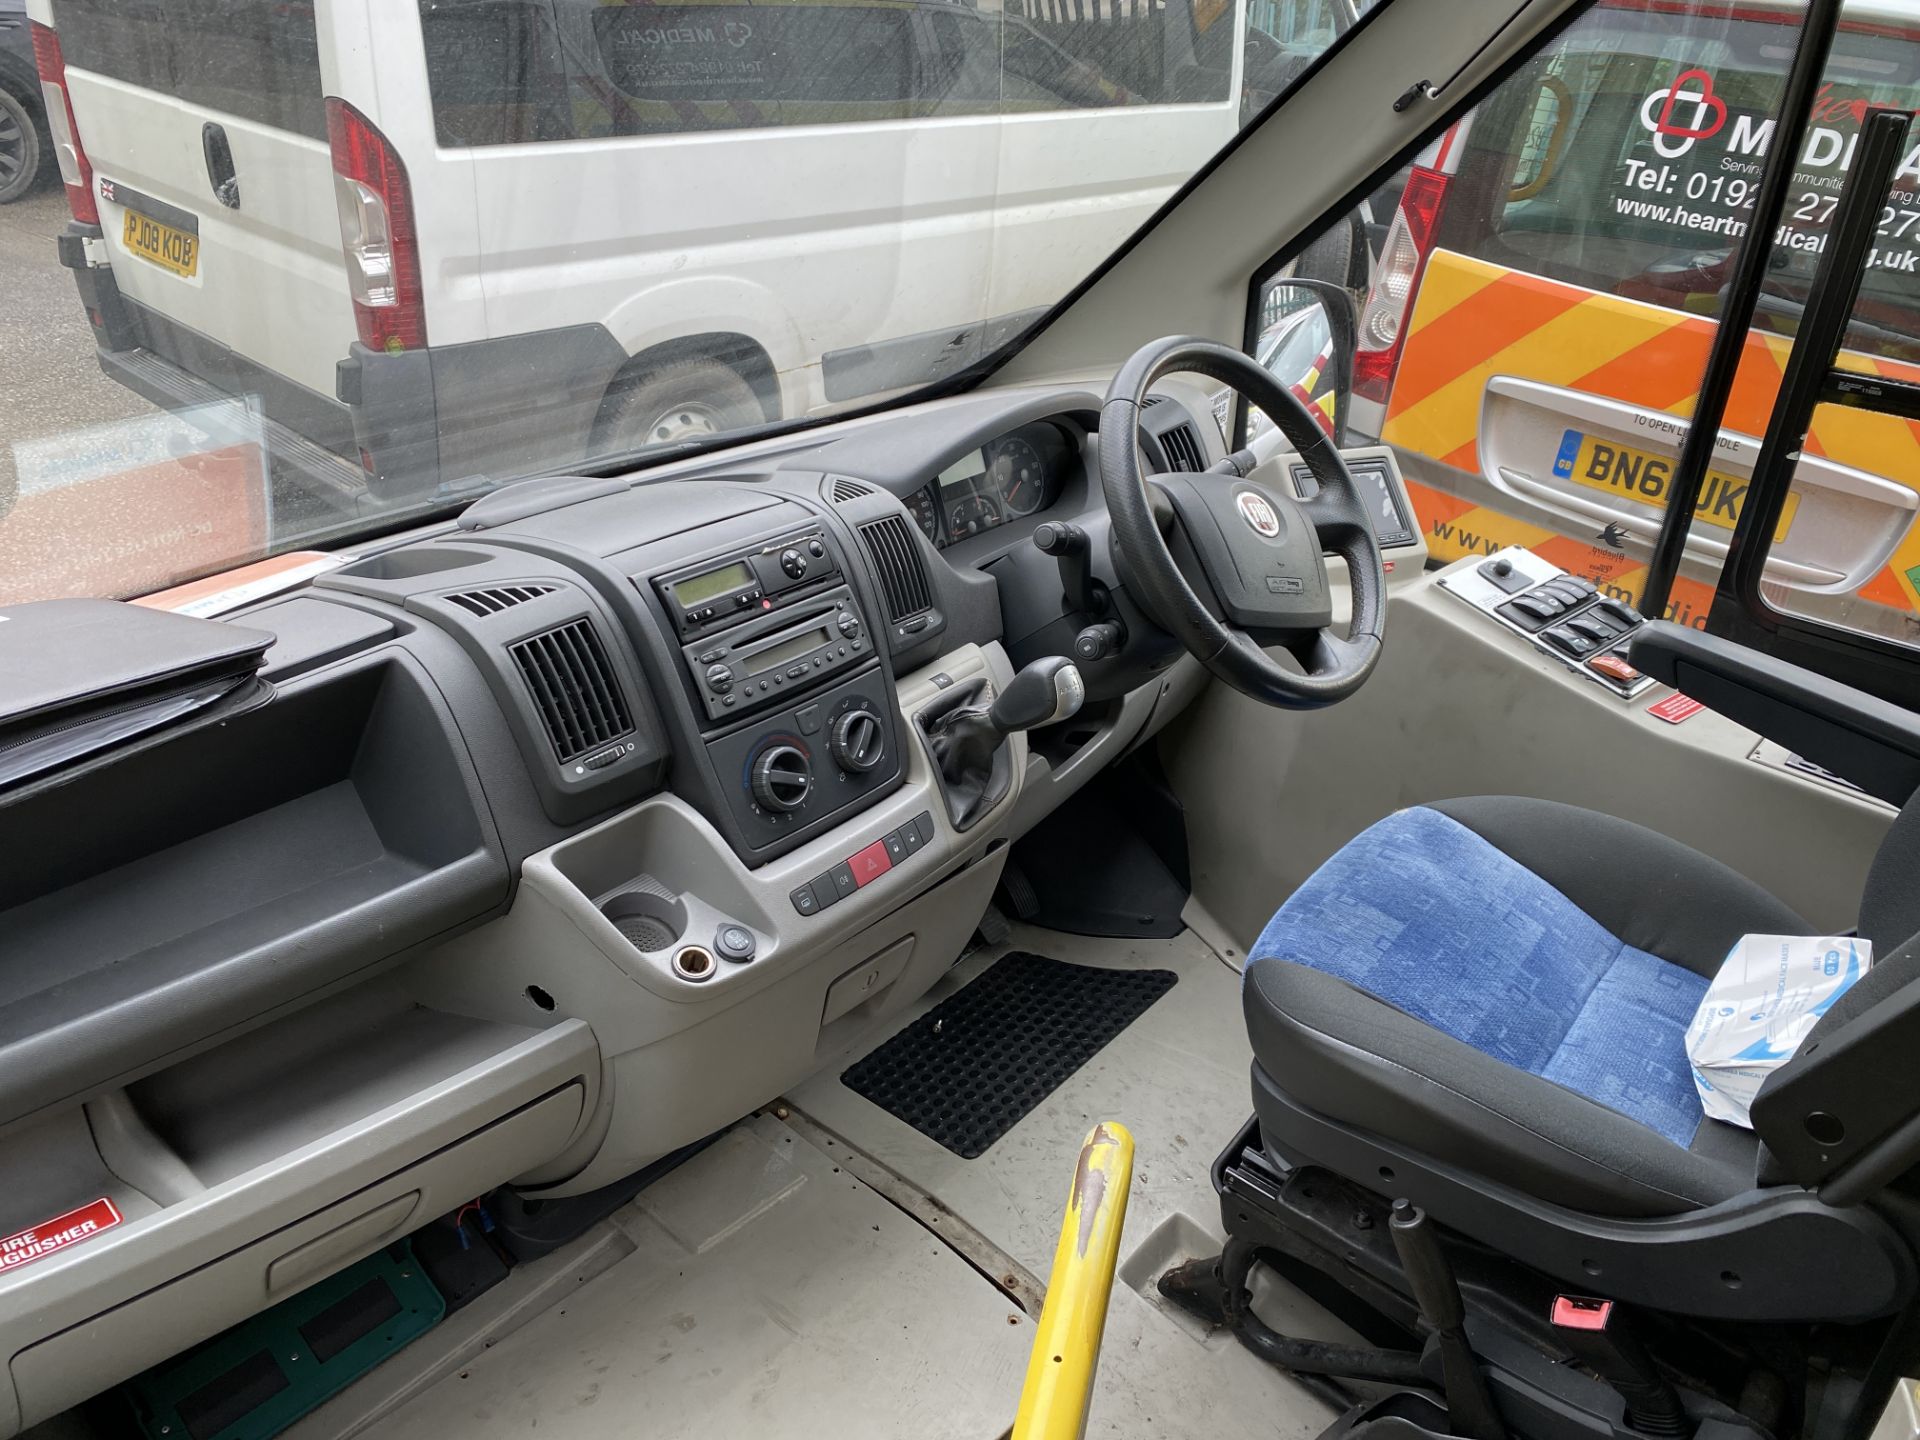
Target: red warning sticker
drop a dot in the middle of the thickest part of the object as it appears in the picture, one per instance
(58, 1233)
(1675, 708)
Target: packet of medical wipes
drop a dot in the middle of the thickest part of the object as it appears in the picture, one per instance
(1769, 994)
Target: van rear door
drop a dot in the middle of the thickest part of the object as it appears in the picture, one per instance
(206, 126)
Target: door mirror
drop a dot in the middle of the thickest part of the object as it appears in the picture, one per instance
(1305, 339)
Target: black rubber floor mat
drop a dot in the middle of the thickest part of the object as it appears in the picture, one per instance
(971, 1068)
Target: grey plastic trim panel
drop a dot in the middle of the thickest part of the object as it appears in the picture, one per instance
(464, 1132)
(115, 1343)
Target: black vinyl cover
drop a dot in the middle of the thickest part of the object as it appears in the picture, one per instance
(81, 676)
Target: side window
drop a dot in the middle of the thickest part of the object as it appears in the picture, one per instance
(507, 71)
(1845, 551)
(1546, 292)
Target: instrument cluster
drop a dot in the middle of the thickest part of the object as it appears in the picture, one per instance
(1007, 479)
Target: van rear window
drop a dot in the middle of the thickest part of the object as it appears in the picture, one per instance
(1631, 164)
(255, 59)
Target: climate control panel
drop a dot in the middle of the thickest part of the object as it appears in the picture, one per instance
(798, 767)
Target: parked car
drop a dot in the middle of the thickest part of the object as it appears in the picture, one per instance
(24, 151)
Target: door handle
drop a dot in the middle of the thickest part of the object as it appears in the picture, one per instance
(219, 155)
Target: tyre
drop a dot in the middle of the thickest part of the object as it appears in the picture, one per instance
(684, 400)
(23, 147)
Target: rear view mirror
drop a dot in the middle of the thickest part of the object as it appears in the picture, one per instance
(1305, 340)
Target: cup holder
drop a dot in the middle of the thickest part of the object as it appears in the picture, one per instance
(647, 919)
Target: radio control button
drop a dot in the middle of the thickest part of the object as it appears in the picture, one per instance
(793, 563)
(719, 679)
(816, 549)
(849, 625)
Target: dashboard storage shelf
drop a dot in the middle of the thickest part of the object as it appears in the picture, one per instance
(153, 903)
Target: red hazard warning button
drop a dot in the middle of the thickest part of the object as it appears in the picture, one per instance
(26, 1246)
(870, 864)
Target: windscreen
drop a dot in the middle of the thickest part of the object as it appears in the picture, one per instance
(290, 274)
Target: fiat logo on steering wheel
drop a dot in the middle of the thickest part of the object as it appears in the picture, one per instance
(1258, 512)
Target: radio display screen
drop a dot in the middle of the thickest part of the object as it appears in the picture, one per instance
(695, 588)
(774, 656)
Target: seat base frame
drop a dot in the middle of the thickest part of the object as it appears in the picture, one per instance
(1329, 1236)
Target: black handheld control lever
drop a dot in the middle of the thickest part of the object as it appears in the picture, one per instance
(1082, 594)
(1071, 547)
(1435, 1291)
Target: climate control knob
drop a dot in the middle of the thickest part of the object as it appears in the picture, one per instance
(857, 741)
(781, 778)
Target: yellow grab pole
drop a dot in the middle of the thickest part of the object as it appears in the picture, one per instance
(1066, 1347)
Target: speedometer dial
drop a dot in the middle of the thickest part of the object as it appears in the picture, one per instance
(925, 512)
(1019, 477)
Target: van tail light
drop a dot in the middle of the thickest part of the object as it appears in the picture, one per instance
(1403, 259)
(75, 170)
(377, 232)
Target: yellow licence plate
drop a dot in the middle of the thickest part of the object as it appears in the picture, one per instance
(171, 249)
(1633, 474)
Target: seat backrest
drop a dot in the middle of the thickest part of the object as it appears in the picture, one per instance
(1843, 1115)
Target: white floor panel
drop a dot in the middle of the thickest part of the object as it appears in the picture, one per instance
(769, 1294)
(1177, 1078)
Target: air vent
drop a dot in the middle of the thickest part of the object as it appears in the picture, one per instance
(500, 597)
(843, 491)
(897, 560)
(1182, 448)
(572, 685)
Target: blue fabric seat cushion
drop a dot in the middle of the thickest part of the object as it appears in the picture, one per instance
(1423, 914)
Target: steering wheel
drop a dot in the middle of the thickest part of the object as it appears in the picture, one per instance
(1227, 561)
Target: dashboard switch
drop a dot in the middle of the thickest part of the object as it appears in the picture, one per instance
(793, 563)
(869, 864)
(803, 901)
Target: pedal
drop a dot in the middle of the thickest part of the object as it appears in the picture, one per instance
(994, 927)
(1018, 891)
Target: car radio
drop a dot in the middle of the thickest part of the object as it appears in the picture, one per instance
(758, 625)
(718, 593)
(761, 660)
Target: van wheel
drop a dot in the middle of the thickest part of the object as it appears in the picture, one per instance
(21, 148)
(685, 400)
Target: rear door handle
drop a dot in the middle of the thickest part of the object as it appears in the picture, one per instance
(219, 154)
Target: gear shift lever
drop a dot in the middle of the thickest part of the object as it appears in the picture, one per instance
(1044, 693)
(968, 735)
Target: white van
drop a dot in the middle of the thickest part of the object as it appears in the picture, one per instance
(431, 237)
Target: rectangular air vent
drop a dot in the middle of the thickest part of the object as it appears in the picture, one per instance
(494, 599)
(573, 687)
(1182, 447)
(896, 560)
